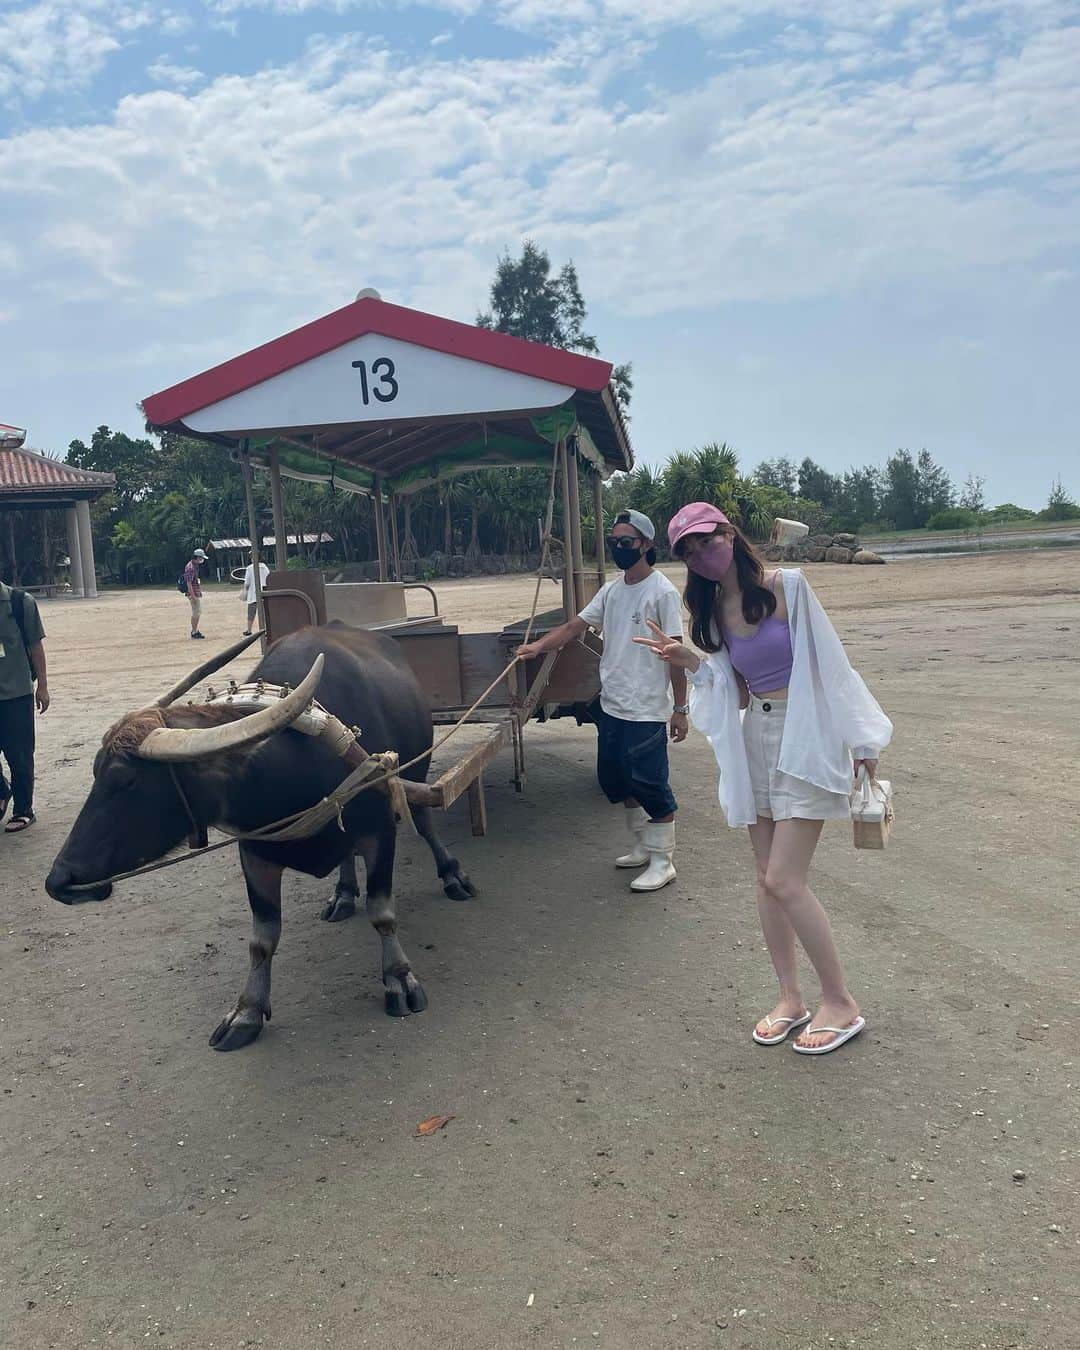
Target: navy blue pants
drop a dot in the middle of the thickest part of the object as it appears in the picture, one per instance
(17, 747)
(632, 761)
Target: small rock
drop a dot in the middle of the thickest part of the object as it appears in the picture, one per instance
(1019, 1175)
(866, 555)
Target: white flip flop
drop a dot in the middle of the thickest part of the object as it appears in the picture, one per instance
(841, 1035)
(789, 1024)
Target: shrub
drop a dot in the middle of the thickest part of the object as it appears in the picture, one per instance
(954, 518)
(1006, 512)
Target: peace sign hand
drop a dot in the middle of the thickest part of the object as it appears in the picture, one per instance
(669, 649)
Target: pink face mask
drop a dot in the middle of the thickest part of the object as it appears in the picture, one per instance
(713, 559)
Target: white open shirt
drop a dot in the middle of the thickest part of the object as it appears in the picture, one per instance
(831, 715)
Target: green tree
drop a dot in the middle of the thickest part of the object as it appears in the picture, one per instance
(935, 491)
(859, 499)
(900, 498)
(1059, 506)
(531, 302)
(132, 461)
(1007, 512)
(972, 496)
(778, 473)
(817, 484)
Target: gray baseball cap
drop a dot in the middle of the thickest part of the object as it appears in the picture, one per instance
(640, 522)
(199, 554)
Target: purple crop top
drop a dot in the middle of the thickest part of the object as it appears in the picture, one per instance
(764, 660)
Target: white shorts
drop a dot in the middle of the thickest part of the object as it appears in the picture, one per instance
(779, 796)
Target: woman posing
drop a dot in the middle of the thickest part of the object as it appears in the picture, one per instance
(770, 649)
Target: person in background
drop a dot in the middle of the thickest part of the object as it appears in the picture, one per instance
(810, 725)
(22, 662)
(248, 593)
(637, 711)
(194, 589)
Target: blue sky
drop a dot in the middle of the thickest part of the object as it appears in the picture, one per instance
(816, 227)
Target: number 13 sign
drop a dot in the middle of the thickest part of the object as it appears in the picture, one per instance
(381, 383)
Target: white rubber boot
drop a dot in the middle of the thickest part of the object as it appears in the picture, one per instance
(636, 821)
(660, 841)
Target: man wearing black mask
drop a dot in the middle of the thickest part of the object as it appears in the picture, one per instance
(637, 709)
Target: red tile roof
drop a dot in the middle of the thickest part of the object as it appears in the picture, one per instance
(25, 472)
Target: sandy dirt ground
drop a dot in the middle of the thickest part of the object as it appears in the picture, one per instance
(624, 1167)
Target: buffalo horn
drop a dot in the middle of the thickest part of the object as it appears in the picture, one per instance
(207, 668)
(184, 743)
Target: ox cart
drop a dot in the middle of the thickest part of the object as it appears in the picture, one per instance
(386, 401)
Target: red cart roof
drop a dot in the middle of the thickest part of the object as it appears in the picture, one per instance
(389, 389)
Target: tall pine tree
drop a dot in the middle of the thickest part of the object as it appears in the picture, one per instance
(530, 302)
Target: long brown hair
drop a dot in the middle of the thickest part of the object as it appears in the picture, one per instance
(701, 595)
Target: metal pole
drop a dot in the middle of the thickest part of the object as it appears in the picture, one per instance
(575, 530)
(380, 528)
(281, 540)
(253, 532)
(569, 605)
(394, 537)
(598, 516)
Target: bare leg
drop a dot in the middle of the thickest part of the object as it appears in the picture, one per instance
(404, 994)
(245, 1022)
(342, 904)
(792, 851)
(778, 932)
(455, 883)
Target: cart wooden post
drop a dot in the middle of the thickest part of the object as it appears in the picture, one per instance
(395, 546)
(253, 524)
(574, 530)
(569, 594)
(281, 539)
(598, 517)
(380, 527)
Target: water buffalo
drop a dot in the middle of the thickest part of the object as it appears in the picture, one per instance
(163, 773)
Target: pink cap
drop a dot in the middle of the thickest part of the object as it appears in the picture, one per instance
(697, 518)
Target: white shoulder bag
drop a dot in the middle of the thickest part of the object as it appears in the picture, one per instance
(872, 812)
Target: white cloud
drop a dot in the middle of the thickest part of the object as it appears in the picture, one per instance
(204, 217)
(179, 77)
(58, 44)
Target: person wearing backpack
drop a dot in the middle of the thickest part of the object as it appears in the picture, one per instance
(193, 590)
(22, 663)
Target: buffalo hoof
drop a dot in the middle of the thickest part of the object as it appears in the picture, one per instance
(397, 1003)
(341, 906)
(457, 886)
(240, 1028)
(404, 995)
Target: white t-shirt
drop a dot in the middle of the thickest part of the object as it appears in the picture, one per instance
(634, 685)
(249, 581)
